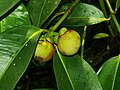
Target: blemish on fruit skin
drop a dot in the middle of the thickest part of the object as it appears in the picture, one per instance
(44, 51)
(38, 58)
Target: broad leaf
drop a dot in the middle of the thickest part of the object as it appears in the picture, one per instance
(117, 5)
(109, 74)
(12, 42)
(74, 73)
(18, 66)
(83, 14)
(6, 5)
(40, 10)
(100, 35)
(18, 17)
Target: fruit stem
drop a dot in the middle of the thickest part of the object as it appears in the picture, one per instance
(65, 15)
(113, 16)
(109, 6)
(83, 41)
(116, 22)
(111, 25)
(56, 15)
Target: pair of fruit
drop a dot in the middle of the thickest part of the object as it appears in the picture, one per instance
(68, 44)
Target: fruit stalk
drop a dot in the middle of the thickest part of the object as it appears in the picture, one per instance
(113, 16)
(65, 15)
(83, 41)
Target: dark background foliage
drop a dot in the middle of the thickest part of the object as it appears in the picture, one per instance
(96, 53)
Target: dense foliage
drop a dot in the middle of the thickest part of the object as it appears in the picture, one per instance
(59, 44)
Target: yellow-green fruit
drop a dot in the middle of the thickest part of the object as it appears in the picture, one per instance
(44, 51)
(69, 43)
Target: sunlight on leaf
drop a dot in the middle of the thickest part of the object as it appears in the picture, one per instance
(18, 66)
(11, 43)
(18, 17)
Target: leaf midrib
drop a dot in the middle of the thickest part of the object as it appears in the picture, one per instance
(34, 34)
(117, 65)
(65, 68)
(40, 16)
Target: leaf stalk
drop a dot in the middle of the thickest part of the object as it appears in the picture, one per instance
(65, 15)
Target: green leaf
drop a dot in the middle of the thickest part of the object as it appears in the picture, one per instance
(11, 44)
(18, 66)
(100, 35)
(18, 17)
(109, 74)
(6, 5)
(40, 10)
(74, 73)
(117, 5)
(83, 14)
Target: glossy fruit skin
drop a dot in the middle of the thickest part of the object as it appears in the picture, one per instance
(44, 51)
(69, 43)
